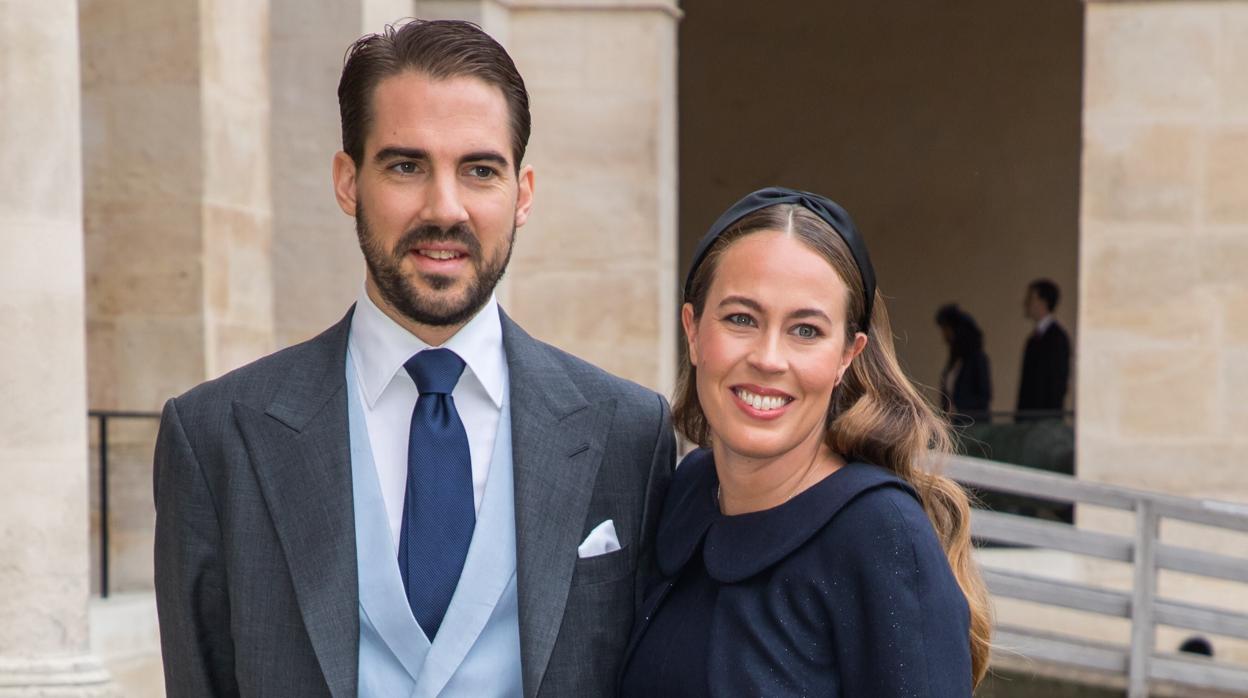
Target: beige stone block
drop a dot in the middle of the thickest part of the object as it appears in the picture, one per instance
(141, 144)
(1143, 57)
(143, 256)
(1143, 287)
(1096, 382)
(39, 117)
(1207, 466)
(597, 52)
(158, 357)
(1226, 180)
(1221, 261)
(236, 152)
(1234, 66)
(1139, 173)
(237, 265)
(1166, 393)
(605, 316)
(235, 345)
(234, 43)
(167, 54)
(1234, 312)
(1233, 391)
(44, 574)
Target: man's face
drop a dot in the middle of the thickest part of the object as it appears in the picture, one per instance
(436, 199)
(1034, 306)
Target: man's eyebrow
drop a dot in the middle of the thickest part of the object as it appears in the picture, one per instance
(486, 156)
(394, 151)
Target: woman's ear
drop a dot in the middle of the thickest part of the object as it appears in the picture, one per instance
(691, 331)
(851, 352)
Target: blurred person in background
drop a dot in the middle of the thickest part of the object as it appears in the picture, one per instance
(965, 381)
(1046, 357)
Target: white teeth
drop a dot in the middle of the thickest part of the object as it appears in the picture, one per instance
(439, 254)
(760, 402)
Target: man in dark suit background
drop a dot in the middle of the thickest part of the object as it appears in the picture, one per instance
(422, 500)
(1046, 358)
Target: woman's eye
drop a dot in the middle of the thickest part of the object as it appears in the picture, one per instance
(806, 331)
(740, 320)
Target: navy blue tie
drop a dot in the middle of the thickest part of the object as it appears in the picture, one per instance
(438, 509)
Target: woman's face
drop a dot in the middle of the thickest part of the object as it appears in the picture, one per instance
(770, 345)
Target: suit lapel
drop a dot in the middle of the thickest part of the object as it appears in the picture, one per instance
(557, 446)
(300, 451)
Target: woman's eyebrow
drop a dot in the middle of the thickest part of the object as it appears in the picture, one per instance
(809, 312)
(742, 300)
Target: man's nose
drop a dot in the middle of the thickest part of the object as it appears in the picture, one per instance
(443, 205)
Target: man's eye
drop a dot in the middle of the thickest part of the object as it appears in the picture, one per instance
(806, 331)
(404, 167)
(482, 171)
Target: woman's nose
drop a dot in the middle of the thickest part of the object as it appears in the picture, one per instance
(767, 354)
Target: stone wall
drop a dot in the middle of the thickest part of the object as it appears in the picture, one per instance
(1164, 248)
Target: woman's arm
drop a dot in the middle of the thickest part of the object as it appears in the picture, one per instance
(901, 627)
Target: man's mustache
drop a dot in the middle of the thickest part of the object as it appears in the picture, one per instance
(458, 233)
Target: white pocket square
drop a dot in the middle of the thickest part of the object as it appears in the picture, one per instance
(600, 541)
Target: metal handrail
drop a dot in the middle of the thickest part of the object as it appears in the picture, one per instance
(1140, 662)
(104, 416)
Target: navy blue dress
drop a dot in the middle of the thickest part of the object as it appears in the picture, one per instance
(844, 590)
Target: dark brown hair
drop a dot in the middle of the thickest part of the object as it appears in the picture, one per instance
(876, 414)
(440, 49)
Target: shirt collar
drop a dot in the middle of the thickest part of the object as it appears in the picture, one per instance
(1043, 324)
(380, 347)
(737, 547)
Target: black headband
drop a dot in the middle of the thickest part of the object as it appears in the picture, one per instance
(825, 208)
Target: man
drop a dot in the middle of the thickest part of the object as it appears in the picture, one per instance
(423, 500)
(1046, 358)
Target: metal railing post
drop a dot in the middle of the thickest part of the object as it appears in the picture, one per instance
(103, 505)
(1143, 596)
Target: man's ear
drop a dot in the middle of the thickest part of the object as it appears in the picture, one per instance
(524, 198)
(345, 182)
(691, 331)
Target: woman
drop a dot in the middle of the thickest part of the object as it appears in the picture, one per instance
(966, 381)
(804, 550)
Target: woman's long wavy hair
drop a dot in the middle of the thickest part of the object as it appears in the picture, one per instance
(876, 414)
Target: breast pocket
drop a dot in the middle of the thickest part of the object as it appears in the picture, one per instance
(608, 567)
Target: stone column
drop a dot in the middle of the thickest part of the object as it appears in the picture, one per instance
(1163, 248)
(177, 207)
(43, 445)
(177, 219)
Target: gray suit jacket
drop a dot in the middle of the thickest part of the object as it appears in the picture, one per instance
(255, 537)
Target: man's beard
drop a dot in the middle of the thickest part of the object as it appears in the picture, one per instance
(402, 295)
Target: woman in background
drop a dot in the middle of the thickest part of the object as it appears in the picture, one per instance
(966, 381)
(806, 549)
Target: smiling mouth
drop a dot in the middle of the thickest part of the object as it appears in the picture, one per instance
(440, 255)
(762, 403)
